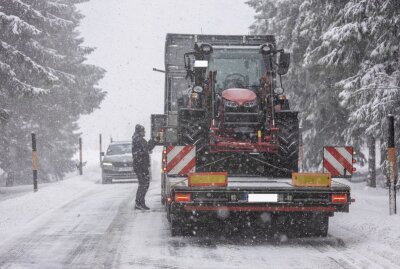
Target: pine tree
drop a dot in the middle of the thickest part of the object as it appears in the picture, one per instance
(374, 90)
(298, 25)
(45, 85)
(345, 73)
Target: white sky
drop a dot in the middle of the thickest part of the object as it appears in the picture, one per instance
(129, 36)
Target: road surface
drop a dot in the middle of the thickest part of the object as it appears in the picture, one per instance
(100, 229)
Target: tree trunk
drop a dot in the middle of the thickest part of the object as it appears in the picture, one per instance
(10, 179)
(371, 163)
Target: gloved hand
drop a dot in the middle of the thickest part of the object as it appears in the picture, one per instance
(158, 138)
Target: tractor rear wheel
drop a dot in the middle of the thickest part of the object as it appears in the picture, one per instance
(192, 128)
(288, 135)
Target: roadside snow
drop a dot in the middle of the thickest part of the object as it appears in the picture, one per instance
(369, 216)
(21, 206)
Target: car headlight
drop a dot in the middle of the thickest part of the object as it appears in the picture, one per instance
(250, 103)
(107, 164)
(231, 104)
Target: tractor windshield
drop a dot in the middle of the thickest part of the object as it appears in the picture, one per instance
(237, 68)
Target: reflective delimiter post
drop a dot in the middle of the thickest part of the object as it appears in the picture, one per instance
(392, 171)
(80, 157)
(34, 163)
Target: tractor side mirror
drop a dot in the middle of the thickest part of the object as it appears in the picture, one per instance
(283, 63)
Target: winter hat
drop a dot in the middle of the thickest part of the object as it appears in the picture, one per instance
(139, 128)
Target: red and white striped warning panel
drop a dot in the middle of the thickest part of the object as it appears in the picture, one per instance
(181, 160)
(338, 161)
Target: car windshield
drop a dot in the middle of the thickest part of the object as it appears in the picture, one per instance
(237, 68)
(118, 149)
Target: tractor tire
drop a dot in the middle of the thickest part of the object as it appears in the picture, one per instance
(193, 128)
(288, 136)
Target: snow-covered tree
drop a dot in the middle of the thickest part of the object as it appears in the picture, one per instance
(44, 85)
(298, 26)
(373, 91)
(340, 49)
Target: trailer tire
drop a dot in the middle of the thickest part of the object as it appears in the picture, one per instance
(321, 225)
(313, 225)
(168, 209)
(104, 180)
(178, 226)
(163, 189)
(288, 136)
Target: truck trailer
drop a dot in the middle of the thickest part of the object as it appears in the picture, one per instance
(231, 140)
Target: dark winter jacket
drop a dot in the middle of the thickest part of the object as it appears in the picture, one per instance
(141, 152)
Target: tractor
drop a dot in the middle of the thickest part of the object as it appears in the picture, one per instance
(235, 112)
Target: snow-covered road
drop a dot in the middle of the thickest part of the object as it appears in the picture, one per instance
(79, 223)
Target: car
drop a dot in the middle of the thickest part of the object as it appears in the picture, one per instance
(117, 162)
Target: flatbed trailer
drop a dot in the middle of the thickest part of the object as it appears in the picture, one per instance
(230, 139)
(304, 211)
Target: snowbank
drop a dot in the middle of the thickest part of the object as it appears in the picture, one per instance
(20, 206)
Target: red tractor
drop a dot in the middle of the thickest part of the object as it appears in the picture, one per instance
(235, 111)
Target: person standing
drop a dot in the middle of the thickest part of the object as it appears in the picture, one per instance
(141, 164)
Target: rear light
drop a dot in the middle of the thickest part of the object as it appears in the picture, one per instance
(339, 198)
(182, 197)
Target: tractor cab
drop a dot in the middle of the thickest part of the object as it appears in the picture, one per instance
(237, 72)
(236, 68)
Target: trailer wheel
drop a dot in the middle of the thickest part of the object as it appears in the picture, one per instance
(104, 180)
(288, 135)
(313, 225)
(178, 226)
(168, 209)
(163, 189)
(321, 225)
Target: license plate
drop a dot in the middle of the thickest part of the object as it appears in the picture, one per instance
(125, 169)
(262, 197)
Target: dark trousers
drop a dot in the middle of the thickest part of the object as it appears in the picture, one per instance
(144, 182)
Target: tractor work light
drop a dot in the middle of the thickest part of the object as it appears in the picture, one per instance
(282, 97)
(182, 197)
(195, 95)
(339, 198)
